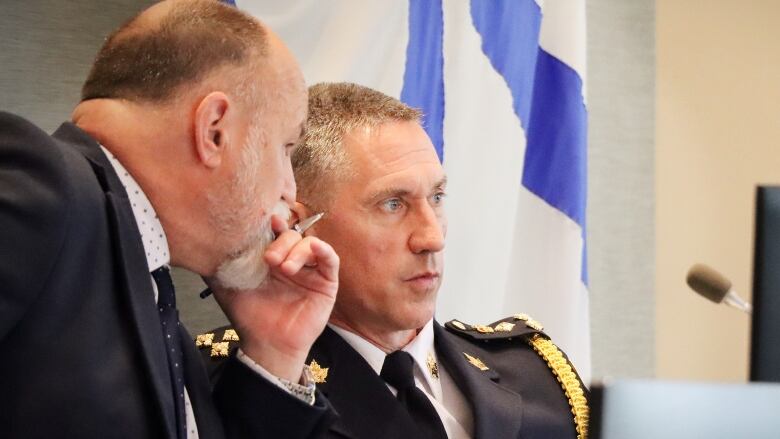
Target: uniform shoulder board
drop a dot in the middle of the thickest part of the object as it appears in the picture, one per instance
(524, 328)
(517, 325)
(218, 343)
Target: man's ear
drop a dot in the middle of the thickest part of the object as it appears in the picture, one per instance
(211, 128)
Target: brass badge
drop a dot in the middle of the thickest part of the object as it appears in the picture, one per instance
(505, 327)
(433, 368)
(522, 316)
(484, 329)
(476, 362)
(230, 335)
(318, 373)
(219, 349)
(458, 325)
(204, 340)
(533, 324)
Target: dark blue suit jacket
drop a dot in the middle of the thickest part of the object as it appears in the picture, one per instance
(81, 343)
(517, 397)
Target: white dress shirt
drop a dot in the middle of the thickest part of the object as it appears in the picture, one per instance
(446, 397)
(157, 255)
(155, 246)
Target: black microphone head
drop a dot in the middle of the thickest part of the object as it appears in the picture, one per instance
(708, 282)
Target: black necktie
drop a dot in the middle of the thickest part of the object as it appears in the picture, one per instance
(169, 318)
(398, 371)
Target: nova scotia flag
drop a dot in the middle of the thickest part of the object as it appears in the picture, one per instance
(502, 87)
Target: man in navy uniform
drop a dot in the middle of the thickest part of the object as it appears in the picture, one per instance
(389, 369)
(179, 153)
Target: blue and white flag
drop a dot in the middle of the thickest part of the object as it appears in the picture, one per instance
(502, 87)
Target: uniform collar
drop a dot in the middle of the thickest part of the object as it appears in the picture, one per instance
(419, 348)
(374, 356)
(153, 236)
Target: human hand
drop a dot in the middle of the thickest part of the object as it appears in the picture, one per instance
(278, 322)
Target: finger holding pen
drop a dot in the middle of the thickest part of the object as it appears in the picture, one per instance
(310, 252)
(278, 321)
(286, 251)
(285, 240)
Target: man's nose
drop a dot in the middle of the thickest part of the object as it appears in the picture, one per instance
(428, 231)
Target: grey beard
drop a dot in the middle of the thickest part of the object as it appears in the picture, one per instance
(247, 270)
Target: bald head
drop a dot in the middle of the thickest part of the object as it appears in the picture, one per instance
(174, 45)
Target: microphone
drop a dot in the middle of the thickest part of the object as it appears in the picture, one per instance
(715, 287)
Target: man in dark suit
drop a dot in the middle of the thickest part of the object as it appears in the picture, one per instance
(179, 154)
(389, 369)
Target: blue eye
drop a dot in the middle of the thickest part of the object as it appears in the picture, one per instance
(439, 197)
(392, 205)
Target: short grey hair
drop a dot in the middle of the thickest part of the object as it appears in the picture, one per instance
(336, 109)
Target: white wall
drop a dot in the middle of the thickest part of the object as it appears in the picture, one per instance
(718, 135)
(621, 68)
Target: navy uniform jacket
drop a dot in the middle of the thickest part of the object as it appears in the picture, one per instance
(517, 396)
(80, 336)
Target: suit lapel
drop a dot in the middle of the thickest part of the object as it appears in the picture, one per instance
(497, 410)
(132, 273)
(365, 405)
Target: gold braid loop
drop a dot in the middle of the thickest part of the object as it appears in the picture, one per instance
(565, 375)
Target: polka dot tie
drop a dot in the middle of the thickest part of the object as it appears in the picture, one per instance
(169, 319)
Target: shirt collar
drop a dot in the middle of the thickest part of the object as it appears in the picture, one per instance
(152, 234)
(419, 348)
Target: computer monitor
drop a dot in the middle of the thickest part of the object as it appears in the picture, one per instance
(652, 409)
(765, 332)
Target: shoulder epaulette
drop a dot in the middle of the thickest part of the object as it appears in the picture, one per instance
(518, 325)
(523, 327)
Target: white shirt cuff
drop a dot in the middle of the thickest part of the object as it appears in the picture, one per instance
(304, 392)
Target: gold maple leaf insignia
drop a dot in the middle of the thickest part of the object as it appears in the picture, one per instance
(318, 372)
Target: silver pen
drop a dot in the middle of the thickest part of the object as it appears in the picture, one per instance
(304, 224)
